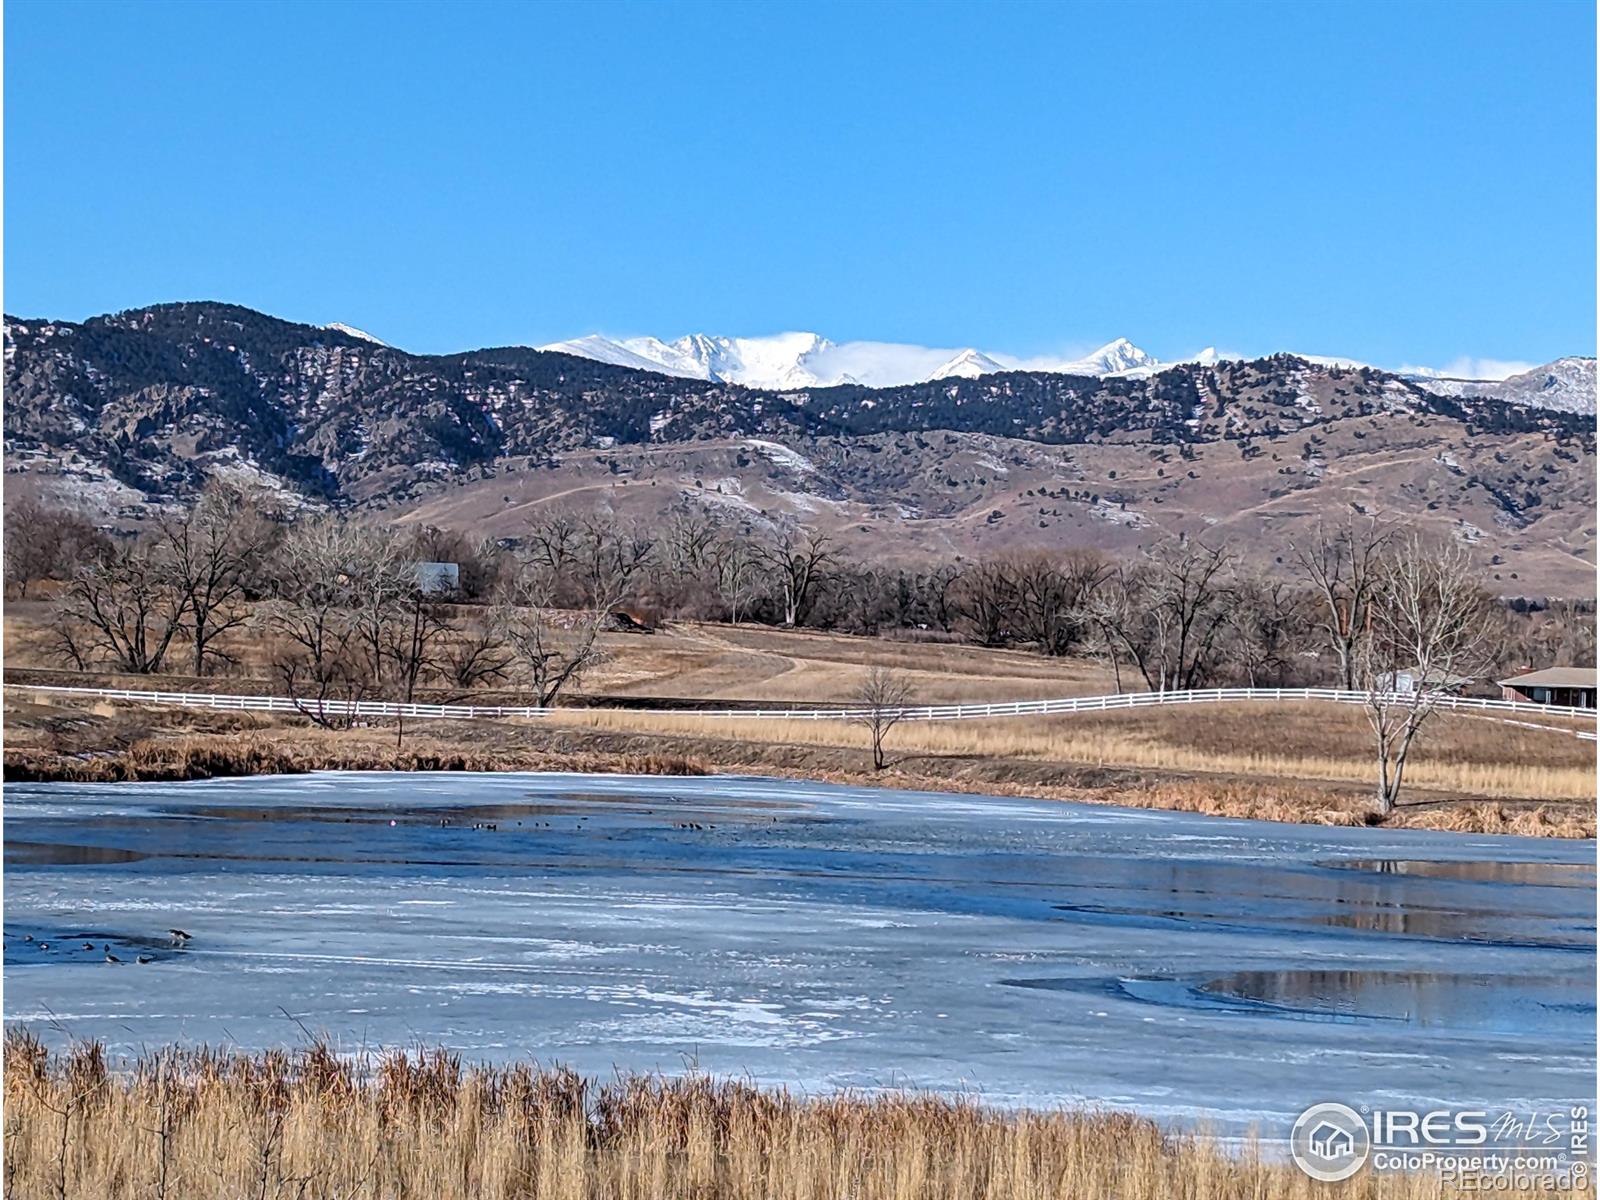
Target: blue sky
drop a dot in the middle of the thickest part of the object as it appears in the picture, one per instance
(1402, 183)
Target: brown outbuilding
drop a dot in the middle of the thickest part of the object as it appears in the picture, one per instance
(1559, 687)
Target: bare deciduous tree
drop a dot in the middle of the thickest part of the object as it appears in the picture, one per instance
(476, 655)
(122, 606)
(213, 549)
(986, 597)
(551, 647)
(1342, 564)
(1431, 619)
(800, 561)
(1051, 593)
(880, 705)
(45, 542)
(1167, 612)
(738, 570)
(1266, 622)
(312, 614)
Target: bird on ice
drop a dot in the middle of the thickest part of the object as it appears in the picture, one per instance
(179, 937)
(112, 958)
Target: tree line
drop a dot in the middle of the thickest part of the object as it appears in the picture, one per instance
(342, 605)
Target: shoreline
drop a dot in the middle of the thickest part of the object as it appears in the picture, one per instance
(289, 750)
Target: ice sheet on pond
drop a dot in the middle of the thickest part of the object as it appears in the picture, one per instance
(1029, 952)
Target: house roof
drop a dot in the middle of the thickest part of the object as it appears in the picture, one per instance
(1561, 677)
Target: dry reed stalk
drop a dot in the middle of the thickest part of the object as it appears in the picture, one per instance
(206, 1125)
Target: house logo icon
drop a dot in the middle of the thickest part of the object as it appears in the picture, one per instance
(1330, 1142)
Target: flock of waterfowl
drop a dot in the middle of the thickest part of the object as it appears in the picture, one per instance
(180, 940)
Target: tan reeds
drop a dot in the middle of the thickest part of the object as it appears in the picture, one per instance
(1559, 773)
(208, 756)
(205, 1125)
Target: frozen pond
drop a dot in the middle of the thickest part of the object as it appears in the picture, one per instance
(1230, 972)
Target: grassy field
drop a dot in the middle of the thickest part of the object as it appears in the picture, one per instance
(1463, 756)
(206, 1125)
(699, 661)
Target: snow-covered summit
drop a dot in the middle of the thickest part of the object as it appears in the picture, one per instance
(1114, 357)
(789, 361)
(1565, 385)
(969, 364)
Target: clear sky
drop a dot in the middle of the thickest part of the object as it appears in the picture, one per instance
(1405, 183)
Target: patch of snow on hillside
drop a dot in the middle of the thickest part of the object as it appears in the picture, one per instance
(1112, 515)
(782, 456)
(352, 331)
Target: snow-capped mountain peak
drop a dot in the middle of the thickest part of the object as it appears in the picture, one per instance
(969, 364)
(1120, 355)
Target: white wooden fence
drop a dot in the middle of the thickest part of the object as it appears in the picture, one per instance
(935, 712)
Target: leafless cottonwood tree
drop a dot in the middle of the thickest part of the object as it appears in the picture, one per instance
(1265, 626)
(1342, 564)
(477, 654)
(353, 618)
(46, 542)
(123, 606)
(1429, 616)
(986, 596)
(689, 543)
(552, 612)
(213, 550)
(738, 574)
(1167, 613)
(1051, 593)
(800, 562)
(313, 614)
(880, 704)
(549, 648)
(417, 645)
(381, 582)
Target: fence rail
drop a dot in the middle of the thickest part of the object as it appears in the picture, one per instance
(935, 712)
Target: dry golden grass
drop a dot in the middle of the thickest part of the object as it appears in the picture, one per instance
(205, 1125)
(759, 664)
(1268, 802)
(208, 756)
(686, 659)
(1309, 742)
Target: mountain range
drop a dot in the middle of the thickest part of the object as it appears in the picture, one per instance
(803, 360)
(123, 413)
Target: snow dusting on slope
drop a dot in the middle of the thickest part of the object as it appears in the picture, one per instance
(352, 331)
